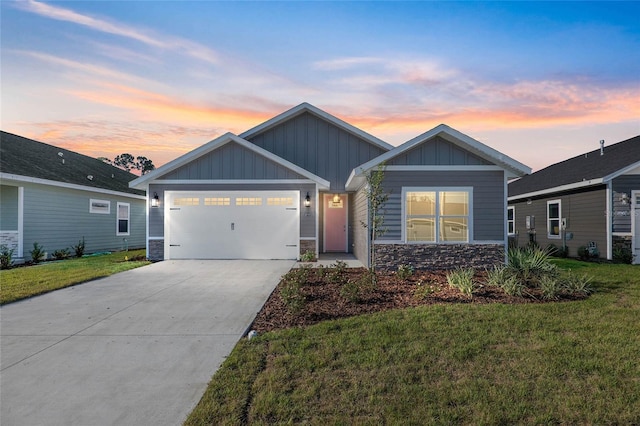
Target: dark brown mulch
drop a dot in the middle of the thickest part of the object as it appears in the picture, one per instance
(323, 299)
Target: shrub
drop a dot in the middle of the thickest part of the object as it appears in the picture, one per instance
(37, 254)
(291, 291)
(556, 251)
(577, 283)
(423, 290)
(337, 272)
(308, 256)
(530, 264)
(583, 253)
(353, 290)
(60, 254)
(79, 248)
(550, 287)
(405, 271)
(501, 276)
(622, 255)
(6, 257)
(462, 279)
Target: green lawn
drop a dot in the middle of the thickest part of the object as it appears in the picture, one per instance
(552, 363)
(22, 282)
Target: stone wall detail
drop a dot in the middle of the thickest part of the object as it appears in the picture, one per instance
(309, 245)
(621, 242)
(439, 256)
(156, 250)
(9, 239)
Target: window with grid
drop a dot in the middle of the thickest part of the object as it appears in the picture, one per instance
(554, 212)
(217, 201)
(249, 201)
(511, 220)
(122, 225)
(437, 216)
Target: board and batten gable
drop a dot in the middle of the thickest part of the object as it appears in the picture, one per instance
(318, 146)
(438, 151)
(231, 161)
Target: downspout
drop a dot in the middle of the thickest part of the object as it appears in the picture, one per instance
(608, 215)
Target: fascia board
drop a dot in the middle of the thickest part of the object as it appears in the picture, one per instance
(144, 180)
(621, 172)
(312, 109)
(561, 188)
(58, 184)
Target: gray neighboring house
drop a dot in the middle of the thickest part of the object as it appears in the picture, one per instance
(591, 198)
(55, 197)
(297, 183)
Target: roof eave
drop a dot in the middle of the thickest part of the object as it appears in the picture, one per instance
(560, 188)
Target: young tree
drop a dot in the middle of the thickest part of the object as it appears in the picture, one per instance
(376, 198)
(144, 165)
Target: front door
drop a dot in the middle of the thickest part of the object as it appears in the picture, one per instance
(335, 222)
(635, 225)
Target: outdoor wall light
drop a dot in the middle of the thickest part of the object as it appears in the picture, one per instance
(336, 199)
(155, 201)
(624, 198)
(307, 200)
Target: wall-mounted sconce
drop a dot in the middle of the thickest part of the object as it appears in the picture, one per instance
(155, 201)
(307, 200)
(336, 198)
(529, 201)
(624, 198)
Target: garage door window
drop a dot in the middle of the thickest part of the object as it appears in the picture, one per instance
(217, 201)
(279, 201)
(249, 201)
(187, 201)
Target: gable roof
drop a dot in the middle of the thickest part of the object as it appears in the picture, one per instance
(28, 160)
(306, 107)
(156, 174)
(583, 170)
(513, 167)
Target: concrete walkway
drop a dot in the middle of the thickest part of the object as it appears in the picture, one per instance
(136, 348)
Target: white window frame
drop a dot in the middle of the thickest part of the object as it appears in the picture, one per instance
(437, 190)
(559, 219)
(512, 221)
(98, 211)
(118, 219)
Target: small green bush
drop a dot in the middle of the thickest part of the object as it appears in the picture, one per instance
(354, 290)
(60, 254)
(556, 251)
(462, 279)
(577, 283)
(550, 286)
(424, 290)
(308, 256)
(37, 254)
(503, 277)
(337, 272)
(79, 248)
(291, 290)
(6, 257)
(622, 255)
(405, 271)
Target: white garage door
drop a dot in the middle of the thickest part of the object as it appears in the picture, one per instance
(232, 225)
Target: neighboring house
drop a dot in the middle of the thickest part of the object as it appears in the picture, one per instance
(57, 197)
(297, 183)
(591, 198)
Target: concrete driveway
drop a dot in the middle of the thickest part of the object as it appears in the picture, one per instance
(136, 348)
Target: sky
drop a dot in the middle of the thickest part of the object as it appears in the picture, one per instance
(539, 81)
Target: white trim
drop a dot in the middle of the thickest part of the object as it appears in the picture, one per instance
(306, 107)
(437, 190)
(513, 220)
(622, 234)
(95, 200)
(567, 187)
(505, 221)
(622, 171)
(455, 137)
(29, 179)
(21, 222)
(559, 203)
(233, 181)
(155, 238)
(434, 168)
(118, 233)
(306, 238)
(146, 221)
(609, 220)
(212, 146)
(346, 220)
(317, 218)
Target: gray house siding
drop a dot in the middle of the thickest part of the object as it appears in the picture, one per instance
(232, 161)
(319, 147)
(488, 199)
(585, 212)
(307, 222)
(8, 208)
(621, 218)
(58, 218)
(360, 233)
(438, 152)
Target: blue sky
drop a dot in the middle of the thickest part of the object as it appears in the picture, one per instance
(539, 81)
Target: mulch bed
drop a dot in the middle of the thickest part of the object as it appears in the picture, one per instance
(323, 300)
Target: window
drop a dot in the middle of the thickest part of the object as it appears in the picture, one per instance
(554, 213)
(437, 215)
(248, 201)
(187, 201)
(217, 201)
(99, 206)
(511, 220)
(279, 201)
(122, 225)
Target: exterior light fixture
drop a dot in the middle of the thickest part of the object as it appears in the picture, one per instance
(624, 198)
(155, 201)
(336, 198)
(307, 200)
